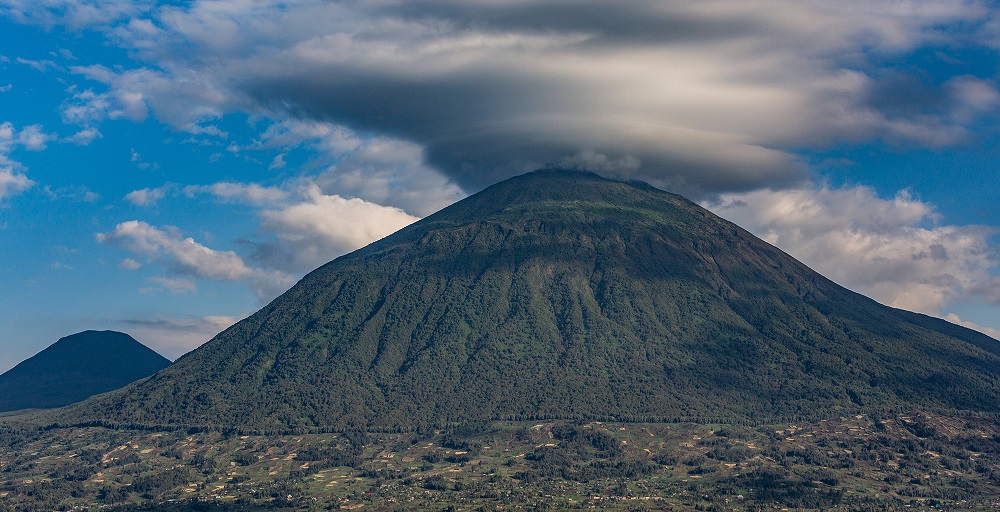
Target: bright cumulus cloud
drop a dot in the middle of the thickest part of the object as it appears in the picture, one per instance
(12, 182)
(324, 225)
(305, 233)
(239, 192)
(890, 249)
(188, 259)
(85, 136)
(184, 254)
(146, 196)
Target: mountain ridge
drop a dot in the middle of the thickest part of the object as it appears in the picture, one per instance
(76, 367)
(561, 294)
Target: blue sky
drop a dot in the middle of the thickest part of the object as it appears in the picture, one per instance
(168, 168)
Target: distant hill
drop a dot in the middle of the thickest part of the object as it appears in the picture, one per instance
(75, 368)
(561, 294)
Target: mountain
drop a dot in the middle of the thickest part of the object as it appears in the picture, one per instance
(75, 368)
(561, 294)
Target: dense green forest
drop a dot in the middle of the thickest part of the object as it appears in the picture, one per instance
(562, 295)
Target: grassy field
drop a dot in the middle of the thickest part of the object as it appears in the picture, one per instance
(854, 463)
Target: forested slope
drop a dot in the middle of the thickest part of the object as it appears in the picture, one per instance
(560, 294)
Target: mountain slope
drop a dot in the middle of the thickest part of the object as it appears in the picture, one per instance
(75, 368)
(560, 294)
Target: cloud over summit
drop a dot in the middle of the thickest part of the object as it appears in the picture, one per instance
(701, 98)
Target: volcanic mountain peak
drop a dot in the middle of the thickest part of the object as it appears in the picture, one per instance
(556, 191)
(77, 367)
(562, 294)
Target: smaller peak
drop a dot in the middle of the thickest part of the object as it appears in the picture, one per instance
(76, 367)
(91, 335)
(92, 332)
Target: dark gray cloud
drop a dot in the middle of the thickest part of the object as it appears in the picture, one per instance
(479, 130)
(699, 97)
(638, 22)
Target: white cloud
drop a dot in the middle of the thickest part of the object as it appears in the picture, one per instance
(86, 107)
(331, 139)
(247, 193)
(124, 102)
(390, 172)
(85, 136)
(130, 264)
(971, 97)
(278, 162)
(228, 192)
(139, 162)
(306, 227)
(33, 138)
(12, 183)
(182, 254)
(75, 193)
(147, 196)
(324, 227)
(38, 65)
(380, 170)
(6, 88)
(989, 331)
(76, 14)
(6, 137)
(890, 249)
(174, 285)
(185, 100)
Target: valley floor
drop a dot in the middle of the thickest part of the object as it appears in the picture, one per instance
(856, 463)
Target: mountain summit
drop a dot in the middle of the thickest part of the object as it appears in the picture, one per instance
(561, 294)
(77, 367)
